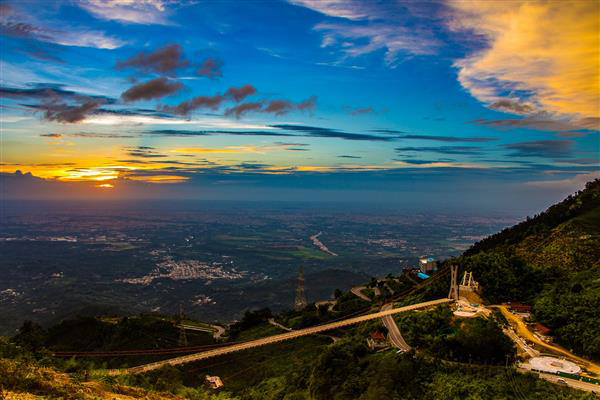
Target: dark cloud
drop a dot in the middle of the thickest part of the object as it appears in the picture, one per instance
(283, 130)
(332, 133)
(176, 132)
(45, 91)
(297, 149)
(135, 111)
(308, 104)
(282, 107)
(362, 110)
(22, 30)
(40, 164)
(64, 113)
(211, 102)
(43, 55)
(291, 144)
(211, 68)
(279, 107)
(540, 148)
(144, 152)
(248, 166)
(95, 135)
(584, 161)
(540, 123)
(512, 107)
(241, 93)
(171, 162)
(240, 110)
(416, 162)
(448, 138)
(347, 156)
(164, 60)
(387, 131)
(467, 150)
(153, 89)
(52, 135)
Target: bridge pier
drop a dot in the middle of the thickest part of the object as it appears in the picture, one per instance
(453, 294)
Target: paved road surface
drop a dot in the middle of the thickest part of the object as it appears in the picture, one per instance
(216, 330)
(394, 334)
(524, 332)
(519, 341)
(330, 304)
(393, 331)
(358, 291)
(273, 339)
(277, 324)
(589, 387)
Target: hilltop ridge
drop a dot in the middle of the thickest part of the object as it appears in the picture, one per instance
(551, 261)
(565, 236)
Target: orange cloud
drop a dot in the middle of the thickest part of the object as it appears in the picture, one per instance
(547, 49)
(159, 178)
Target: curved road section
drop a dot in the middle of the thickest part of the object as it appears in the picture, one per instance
(274, 339)
(358, 291)
(394, 334)
(216, 330)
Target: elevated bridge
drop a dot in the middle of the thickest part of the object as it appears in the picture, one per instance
(274, 339)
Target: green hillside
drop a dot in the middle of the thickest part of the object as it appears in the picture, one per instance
(565, 237)
(551, 261)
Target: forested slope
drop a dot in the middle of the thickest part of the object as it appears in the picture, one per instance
(553, 262)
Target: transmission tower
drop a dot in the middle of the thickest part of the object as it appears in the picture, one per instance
(182, 336)
(453, 282)
(300, 302)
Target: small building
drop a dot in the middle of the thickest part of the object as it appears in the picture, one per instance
(376, 341)
(520, 308)
(214, 382)
(543, 330)
(422, 275)
(427, 265)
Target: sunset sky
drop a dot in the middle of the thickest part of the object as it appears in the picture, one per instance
(299, 99)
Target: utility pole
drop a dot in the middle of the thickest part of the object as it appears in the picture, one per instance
(300, 302)
(182, 336)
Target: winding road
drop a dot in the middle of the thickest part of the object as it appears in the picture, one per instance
(394, 334)
(358, 291)
(524, 332)
(216, 330)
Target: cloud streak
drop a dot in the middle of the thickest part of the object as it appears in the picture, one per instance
(463, 150)
(540, 148)
(239, 94)
(211, 68)
(154, 89)
(332, 133)
(19, 25)
(144, 12)
(164, 60)
(530, 63)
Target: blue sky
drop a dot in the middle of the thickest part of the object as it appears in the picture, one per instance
(300, 99)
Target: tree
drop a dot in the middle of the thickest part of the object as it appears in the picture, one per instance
(31, 336)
